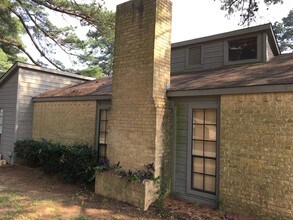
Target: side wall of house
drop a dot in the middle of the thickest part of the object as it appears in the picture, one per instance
(256, 154)
(182, 137)
(32, 83)
(8, 95)
(67, 122)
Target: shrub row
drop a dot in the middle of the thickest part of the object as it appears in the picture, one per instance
(74, 164)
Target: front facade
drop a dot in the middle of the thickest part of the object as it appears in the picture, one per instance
(220, 131)
(17, 87)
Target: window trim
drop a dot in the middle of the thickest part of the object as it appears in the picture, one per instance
(101, 106)
(1, 131)
(189, 189)
(258, 53)
(189, 66)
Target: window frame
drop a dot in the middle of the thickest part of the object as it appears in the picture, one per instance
(101, 107)
(258, 50)
(189, 66)
(190, 190)
(1, 120)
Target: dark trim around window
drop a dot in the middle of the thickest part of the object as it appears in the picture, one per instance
(201, 193)
(102, 120)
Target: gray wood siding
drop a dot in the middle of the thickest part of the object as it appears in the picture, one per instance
(213, 57)
(180, 186)
(270, 53)
(215, 54)
(8, 96)
(178, 59)
(32, 83)
(181, 125)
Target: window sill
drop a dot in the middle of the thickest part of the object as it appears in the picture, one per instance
(229, 63)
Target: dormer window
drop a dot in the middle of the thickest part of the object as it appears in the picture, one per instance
(242, 49)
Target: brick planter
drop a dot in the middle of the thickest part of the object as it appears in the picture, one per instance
(138, 194)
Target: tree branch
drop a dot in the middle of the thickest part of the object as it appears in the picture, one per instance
(20, 47)
(32, 39)
(46, 34)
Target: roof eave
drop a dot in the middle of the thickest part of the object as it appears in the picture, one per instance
(232, 90)
(73, 98)
(249, 30)
(273, 41)
(18, 65)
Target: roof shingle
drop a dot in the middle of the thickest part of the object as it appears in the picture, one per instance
(277, 71)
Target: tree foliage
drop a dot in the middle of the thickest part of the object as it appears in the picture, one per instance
(247, 8)
(284, 32)
(33, 18)
(10, 41)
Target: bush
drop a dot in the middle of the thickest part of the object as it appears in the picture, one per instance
(28, 150)
(78, 164)
(75, 164)
(50, 156)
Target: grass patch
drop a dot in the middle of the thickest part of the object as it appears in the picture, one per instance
(11, 205)
(81, 217)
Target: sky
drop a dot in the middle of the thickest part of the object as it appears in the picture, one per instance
(199, 18)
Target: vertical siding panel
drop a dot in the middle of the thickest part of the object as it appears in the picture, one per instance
(8, 97)
(181, 148)
(178, 59)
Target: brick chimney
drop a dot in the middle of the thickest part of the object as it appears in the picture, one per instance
(139, 121)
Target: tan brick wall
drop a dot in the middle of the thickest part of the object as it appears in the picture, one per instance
(137, 122)
(256, 154)
(67, 122)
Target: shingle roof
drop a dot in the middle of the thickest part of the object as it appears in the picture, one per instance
(101, 86)
(277, 71)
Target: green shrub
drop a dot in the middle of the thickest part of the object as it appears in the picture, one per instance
(75, 164)
(78, 164)
(28, 150)
(50, 156)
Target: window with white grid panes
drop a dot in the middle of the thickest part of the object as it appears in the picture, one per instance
(204, 150)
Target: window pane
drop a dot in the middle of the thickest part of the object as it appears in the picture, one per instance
(198, 116)
(102, 139)
(210, 132)
(1, 119)
(198, 148)
(103, 126)
(210, 149)
(210, 184)
(204, 150)
(198, 164)
(198, 132)
(210, 166)
(211, 116)
(197, 181)
(243, 49)
(102, 150)
(103, 115)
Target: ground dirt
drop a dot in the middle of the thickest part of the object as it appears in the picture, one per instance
(28, 193)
